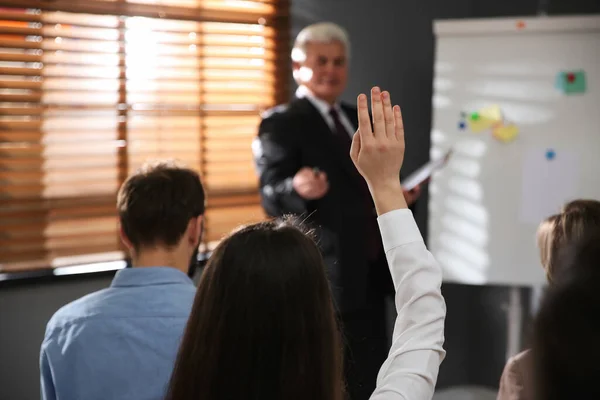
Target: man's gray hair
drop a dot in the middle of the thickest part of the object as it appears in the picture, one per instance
(322, 32)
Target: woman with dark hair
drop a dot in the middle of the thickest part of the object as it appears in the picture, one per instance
(263, 325)
(555, 234)
(565, 349)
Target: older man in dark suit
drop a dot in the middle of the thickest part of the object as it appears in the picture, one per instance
(302, 156)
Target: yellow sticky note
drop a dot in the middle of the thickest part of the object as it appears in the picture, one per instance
(492, 113)
(480, 124)
(506, 133)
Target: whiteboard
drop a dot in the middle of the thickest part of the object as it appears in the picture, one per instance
(485, 205)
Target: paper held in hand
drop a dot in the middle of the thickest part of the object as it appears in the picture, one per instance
(424, 173)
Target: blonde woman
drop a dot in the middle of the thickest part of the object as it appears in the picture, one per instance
(576, 219)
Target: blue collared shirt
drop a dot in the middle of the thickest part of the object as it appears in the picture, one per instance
(120, 342)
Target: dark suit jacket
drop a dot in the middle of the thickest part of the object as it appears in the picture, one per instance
(293, 136)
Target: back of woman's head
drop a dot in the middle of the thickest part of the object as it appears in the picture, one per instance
(566, 330)
(576, 219)
(262, 325)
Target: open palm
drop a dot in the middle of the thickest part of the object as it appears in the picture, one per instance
(378, 151)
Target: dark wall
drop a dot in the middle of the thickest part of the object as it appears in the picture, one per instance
(393, 47)
(570, 7)
(25, 308)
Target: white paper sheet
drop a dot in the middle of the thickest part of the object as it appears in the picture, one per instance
(547, 183)
(424, 172)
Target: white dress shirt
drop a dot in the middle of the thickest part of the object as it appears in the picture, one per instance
(411, 369)
(324, 109)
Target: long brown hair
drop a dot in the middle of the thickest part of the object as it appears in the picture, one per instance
(575, 220)
(565, 357)
(262, 326)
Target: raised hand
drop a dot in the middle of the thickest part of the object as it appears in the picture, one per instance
(378, 151)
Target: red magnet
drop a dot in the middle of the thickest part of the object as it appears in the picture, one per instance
(571, 77)
(520, 24)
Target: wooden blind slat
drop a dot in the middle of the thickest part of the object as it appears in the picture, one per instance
(20, 30)
(20, 71)
(6, 111)
(18, 43)
(9, 15)
(17, 97)
(20, 84)
(20, 57)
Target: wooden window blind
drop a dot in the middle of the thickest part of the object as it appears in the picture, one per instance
(89, 90)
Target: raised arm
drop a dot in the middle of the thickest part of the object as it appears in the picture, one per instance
(410, 371)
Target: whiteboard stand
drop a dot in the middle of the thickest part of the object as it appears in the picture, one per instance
(537, 292)
(515, 322)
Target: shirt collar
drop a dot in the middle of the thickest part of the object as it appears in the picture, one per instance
(147, 276)
(319, 104)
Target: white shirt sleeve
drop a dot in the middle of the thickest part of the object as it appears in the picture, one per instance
(411, 369)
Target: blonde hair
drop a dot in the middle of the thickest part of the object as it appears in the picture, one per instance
(575, 220)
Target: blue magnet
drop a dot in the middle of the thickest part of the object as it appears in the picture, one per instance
(462, 125)
(550, 154)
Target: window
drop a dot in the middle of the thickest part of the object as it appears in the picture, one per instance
(90, 90)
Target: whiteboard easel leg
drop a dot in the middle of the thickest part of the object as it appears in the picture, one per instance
(515, 319)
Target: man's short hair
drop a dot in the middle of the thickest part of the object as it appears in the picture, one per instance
(157, 202)
(323, 32)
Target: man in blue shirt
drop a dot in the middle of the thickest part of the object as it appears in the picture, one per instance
(121, 342)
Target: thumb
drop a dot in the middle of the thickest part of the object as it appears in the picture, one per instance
(355, 147)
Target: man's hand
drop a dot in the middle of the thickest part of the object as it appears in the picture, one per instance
(378, 152)
(310, 184)
(412, 195)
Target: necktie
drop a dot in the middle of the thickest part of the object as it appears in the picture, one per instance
(373, 237)
(340, 132)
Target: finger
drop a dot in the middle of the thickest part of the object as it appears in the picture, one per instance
(377, 109)
(388, 114)
(355, 147)
(364, 121)
(399, 124)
